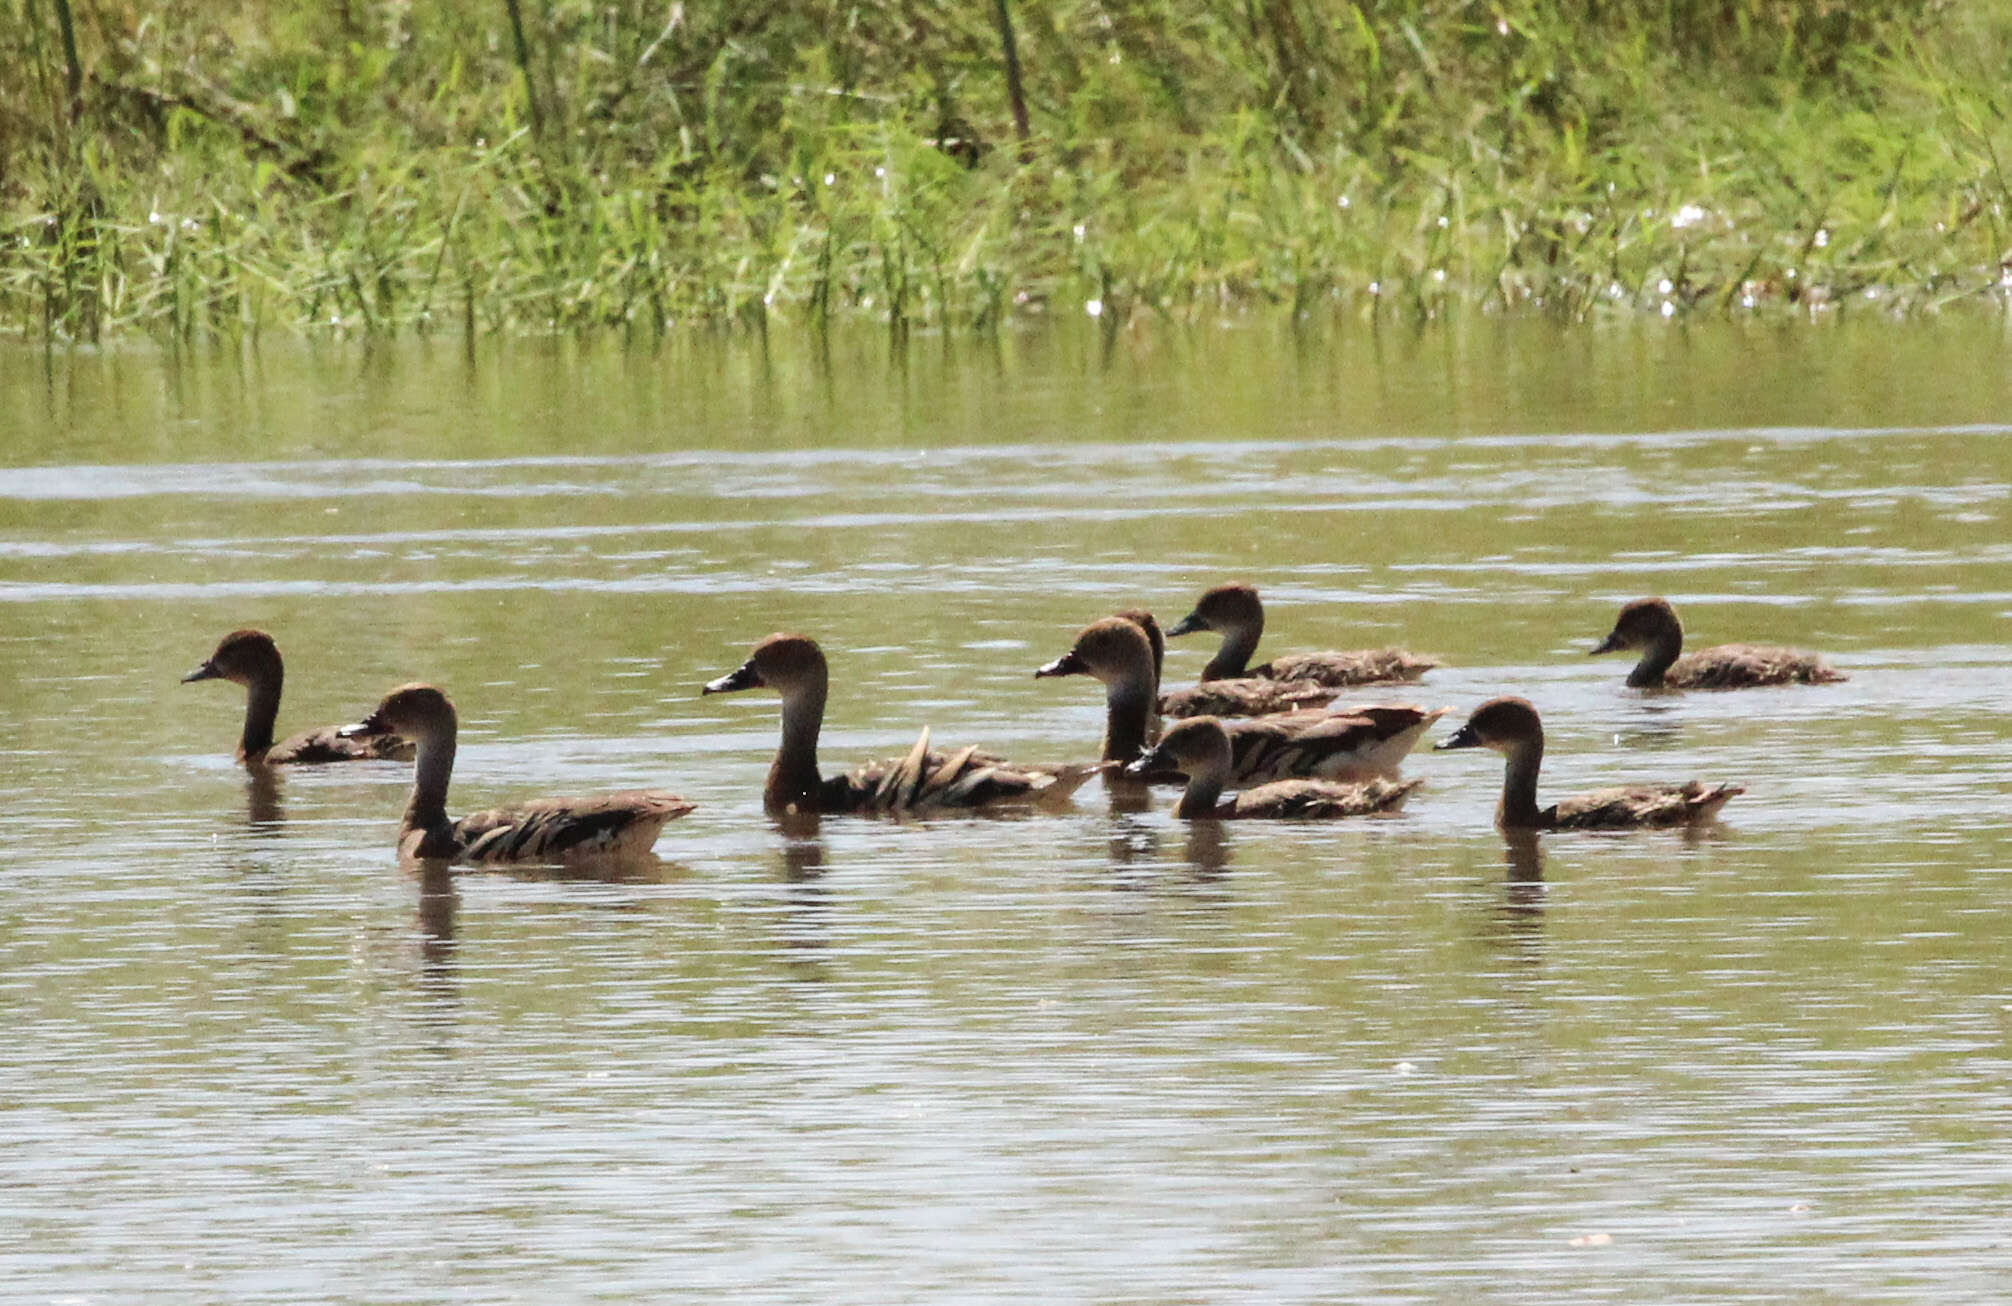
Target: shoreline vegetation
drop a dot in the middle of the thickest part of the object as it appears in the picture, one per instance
(380, 167)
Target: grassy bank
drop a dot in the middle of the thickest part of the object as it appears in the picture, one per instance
(384, 166)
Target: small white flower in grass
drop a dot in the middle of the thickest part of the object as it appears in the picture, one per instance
(880, 172)
(1669, 309)
(1439, 275)
(1078, 231)
(1094, 307)
(1442, 222)
(1690, 215)
(830, 178)
(1376, 287)
(1664, 286)
(1342, 202)
(1822, 238)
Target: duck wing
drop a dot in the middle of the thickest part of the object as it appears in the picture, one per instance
(568, 829)
(926, 781)
(1360, 667)
(312, 747)
(1631, 806)
(1351, 744)
(1744, 666)
(1319, 799)
(1245, 696)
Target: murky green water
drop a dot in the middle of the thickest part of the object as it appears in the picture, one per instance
(1094, 1057)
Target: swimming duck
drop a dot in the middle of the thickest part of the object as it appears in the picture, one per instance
(1234, 611)
(1354, 742)
(923, 781)
(1510, 726)
(613, 825)
(1652, 626)
(251, 659)
(1200, 748)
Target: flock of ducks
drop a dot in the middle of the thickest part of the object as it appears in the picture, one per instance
(1269, 736)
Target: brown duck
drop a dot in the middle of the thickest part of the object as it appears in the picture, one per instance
(547, 830)
(1200, 748)
(1511, 727)
(1234, 612)
(924, 781)
(1651, 625)
(251, 659)
(1356, 742)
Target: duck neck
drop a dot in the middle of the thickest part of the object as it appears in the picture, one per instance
(261, 710)
(1519, 786)
(1205, 785)
(792, 778)
(435, 766)
(1239, 643)
(1128, 713)
(1656, 659)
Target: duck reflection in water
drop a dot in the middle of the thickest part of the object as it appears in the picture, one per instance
(802, 928)
(264, 811)
(1207, 852)
(439, 905)
(1523, 897)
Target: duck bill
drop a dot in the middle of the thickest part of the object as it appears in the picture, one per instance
(1610, 644)
(742, 677)
(1187, 625)
(1147, 763)
(1066, 665)
(1464, 737)
(371, 727)
(207, 671)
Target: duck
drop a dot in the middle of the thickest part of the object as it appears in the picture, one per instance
(251, 658)
(1235, 611)
(922, 782)
(545, 830)
(1651, 625)
(1200, 748)
(1510, 726)
(1356, 742)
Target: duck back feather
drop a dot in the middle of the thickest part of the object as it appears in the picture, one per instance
(1744, 666)
(1630, 806)
(1245, 696)
(1317, 799)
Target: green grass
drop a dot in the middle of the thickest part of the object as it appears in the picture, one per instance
(374, 167)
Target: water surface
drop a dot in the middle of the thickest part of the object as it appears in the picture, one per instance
(1097, 1056)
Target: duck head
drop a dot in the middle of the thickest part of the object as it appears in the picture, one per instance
(1502, 724)
(785, 663)
(413, 712)
(243, 657)
(1644, 623)
(1224, 608)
